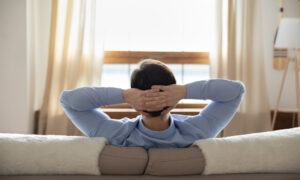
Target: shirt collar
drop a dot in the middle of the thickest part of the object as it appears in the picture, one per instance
(157, 134)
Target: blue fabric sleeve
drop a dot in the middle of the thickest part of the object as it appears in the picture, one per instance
(81, 106)
(226, 96)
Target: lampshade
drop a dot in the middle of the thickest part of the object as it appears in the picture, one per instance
(288, 35)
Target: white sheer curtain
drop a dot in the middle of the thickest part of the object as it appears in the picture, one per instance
(38, 32)
(75, 58)
(237, 53)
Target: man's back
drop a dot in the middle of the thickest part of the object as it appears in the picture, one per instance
(81, 105)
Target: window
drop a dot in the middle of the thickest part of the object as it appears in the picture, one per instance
(173, 31)
(187, 66)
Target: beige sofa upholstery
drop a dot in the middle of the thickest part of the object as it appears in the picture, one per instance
(148, 177)
(123, 160)
(115, 162)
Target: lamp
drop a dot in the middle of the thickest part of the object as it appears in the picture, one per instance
(288, 36)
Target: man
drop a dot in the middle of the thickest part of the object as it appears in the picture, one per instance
(154, 93)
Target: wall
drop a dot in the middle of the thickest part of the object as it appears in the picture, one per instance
(14, 114)
(273, 77)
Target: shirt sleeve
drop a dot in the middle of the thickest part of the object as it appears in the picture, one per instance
(225, 96)
(81, 106)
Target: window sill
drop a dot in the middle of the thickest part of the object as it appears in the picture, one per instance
(179, 106)
(176, 110)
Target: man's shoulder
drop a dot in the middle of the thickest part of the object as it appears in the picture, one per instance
(130, 120)
(180, 117)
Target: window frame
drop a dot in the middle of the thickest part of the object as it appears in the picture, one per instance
(133, 57)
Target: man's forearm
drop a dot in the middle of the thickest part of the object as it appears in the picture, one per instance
(182, 89)
(86, 98)
(215, 89)
(127, 95)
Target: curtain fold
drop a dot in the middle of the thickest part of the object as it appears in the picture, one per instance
(75, 59)
(237, 53)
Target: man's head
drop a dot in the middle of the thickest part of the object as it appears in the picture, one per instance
(152, 72)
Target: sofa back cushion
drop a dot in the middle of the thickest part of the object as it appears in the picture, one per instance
(123, 160)
(175, 161)
(22, 154)
(264, 152)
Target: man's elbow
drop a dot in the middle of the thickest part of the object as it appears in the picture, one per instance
(242, 87)
(63, 98)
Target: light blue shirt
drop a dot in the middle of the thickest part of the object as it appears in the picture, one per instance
(81, 105)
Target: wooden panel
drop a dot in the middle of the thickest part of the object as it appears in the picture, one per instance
(133, 114)
(133, 57)
(285, 120)
(181, 105)
(36, 121)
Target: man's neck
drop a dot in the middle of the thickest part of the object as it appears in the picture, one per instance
(159, 123)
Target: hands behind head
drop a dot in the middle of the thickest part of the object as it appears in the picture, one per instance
(154, 99)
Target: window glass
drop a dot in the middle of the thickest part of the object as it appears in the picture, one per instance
(115, 75)
(195, 72)
(177, 71)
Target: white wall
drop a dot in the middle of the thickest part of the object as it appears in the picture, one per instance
(14, 115)
(273, 77)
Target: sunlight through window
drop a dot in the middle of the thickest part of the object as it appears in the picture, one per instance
(155, 25)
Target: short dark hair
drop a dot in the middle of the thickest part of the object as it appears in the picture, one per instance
(152, 72)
